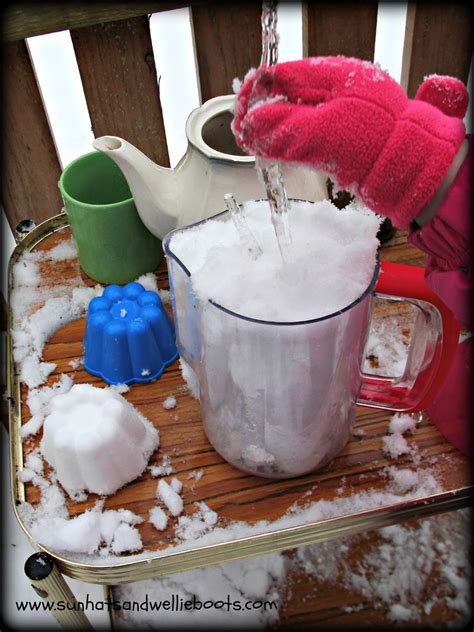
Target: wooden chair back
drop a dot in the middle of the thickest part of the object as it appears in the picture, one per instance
(114, 52)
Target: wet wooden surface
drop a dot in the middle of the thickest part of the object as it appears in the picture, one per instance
(236, 495)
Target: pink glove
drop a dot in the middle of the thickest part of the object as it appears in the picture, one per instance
(351, 120)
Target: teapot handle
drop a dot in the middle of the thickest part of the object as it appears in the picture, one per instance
(433, 344)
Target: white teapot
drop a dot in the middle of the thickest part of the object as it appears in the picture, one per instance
(212, 166)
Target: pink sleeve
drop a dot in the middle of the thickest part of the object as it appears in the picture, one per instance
(447, 241)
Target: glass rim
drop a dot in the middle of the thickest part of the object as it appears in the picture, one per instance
(65, 174)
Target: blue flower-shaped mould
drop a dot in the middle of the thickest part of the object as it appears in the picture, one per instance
(129, 336)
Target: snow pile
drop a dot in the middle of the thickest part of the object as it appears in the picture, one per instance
(396, 571)
(395, 444)
(34, 461)
(395, 574)
(403, 480)
(190, 378)
(193, 531)
(165, 296)
(401, 423)
(170, 497)
(202, 521)
(26, 270)
(162, 470)
(31, 330)
(158, 518)
(229, 586)
(150, 283)
(32, 468)
(386, 350)
(95, 440)
(169, 494)
(196, 474)
(39, 400)
(95, 531)
(333, 253)
(176, 485)
(169, 403)
(64, 250)
(119, 388)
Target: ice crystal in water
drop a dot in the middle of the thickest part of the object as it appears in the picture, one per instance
(269, 173)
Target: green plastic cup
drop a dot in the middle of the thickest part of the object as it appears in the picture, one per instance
(113, 243)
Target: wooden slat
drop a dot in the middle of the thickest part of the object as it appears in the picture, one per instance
(23, 19)
(31, 168)
(339, 28)
(228, 43)
(437, 40)
(117, 69)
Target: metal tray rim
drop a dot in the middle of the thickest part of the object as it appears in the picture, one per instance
(174, 562)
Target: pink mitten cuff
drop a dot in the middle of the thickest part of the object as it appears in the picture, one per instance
(412, 163)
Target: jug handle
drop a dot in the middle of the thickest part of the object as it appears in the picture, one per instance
(435, 325)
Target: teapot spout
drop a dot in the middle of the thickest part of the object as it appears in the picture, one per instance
(153, 187)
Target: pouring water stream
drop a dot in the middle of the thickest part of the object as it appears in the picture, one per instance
(269, 172)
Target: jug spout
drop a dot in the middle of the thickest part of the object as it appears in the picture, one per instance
(153, 187)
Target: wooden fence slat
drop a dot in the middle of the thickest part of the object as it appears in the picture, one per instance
(31, 167)
(228, 43)
(23, 20)
(438, 39)
(339, 28)
(118, 73)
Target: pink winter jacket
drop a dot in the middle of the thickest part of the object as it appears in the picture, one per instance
(447, 241)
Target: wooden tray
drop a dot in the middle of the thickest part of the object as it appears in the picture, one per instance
(232, 493)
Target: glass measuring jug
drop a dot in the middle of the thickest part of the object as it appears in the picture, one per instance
(278, 398)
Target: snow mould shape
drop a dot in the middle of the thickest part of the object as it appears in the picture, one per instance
(129, 336)
(96, 440)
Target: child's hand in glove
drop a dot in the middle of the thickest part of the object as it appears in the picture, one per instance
(351, 120)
